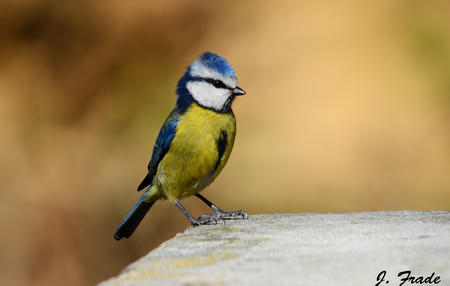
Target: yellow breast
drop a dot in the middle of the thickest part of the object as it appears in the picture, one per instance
(192, 160)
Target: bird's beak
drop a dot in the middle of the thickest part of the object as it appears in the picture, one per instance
(238, 91)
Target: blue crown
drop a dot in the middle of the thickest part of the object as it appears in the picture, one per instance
(217, 63)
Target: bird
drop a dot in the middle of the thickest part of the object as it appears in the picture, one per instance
(193, 145)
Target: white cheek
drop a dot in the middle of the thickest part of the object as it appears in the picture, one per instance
(207, 95)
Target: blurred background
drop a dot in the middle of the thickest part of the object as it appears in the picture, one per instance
(347, 109)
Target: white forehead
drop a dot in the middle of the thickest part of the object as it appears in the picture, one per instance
(200, 70)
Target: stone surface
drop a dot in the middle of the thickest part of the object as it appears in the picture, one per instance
(301, 249)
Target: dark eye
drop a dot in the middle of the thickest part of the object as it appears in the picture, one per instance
(219, 84)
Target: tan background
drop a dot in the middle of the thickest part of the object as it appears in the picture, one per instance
(347, 109)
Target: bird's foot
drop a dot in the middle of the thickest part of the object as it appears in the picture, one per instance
(219, 217)
(208, 219)
(240, 214)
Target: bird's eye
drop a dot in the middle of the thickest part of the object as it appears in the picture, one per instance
(219, 84)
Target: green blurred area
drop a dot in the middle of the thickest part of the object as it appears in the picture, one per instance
(347, 109)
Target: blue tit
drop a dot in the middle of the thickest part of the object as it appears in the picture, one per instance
(194, 143)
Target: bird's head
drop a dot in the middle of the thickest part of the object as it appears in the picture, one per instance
(211, 82)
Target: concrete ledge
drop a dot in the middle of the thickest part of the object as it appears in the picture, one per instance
(301, 249)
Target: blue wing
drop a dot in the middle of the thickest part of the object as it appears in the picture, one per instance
(162, 145)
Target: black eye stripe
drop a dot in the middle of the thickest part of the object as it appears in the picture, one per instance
(217, 83)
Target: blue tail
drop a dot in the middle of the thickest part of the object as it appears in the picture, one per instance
(130, 223)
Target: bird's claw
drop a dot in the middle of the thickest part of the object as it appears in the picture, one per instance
(240, 214)
(208, 219)
(220, 216)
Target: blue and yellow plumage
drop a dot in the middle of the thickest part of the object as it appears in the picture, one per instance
(194, 143)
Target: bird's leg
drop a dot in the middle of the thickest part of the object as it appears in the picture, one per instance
(220, 213)
(201, 220)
